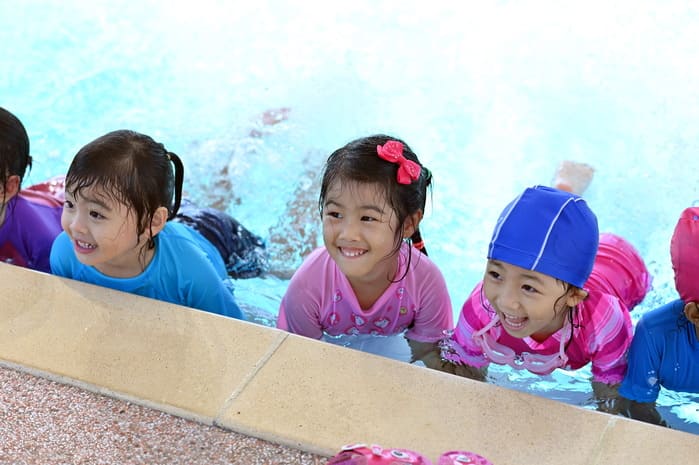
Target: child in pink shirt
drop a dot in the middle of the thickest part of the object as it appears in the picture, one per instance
(555, 294)
(370, 277)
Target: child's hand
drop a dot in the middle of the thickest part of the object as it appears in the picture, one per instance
(428, 353)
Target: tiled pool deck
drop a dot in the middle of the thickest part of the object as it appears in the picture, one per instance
(235, 392)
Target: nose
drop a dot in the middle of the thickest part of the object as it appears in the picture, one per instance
(508, 298)
(76, 223)
(349, 230)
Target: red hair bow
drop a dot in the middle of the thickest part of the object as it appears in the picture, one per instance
(408, 170)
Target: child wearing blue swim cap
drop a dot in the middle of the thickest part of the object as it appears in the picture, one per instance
(555, 294)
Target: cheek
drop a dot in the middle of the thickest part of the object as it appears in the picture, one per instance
(65, 220)
(488, 290)
(328, 228)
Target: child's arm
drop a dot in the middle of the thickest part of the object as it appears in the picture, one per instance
(300, 308)
(637, 395)
(429, 353)
(610, 401)
(434, 317)
(62, 256)
(459, 353)
(465, 371)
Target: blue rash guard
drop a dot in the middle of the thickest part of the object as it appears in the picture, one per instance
(664, 352)
(186, 269)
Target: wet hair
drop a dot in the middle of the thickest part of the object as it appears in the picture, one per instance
(133, 170)
(359, 162)
(14, 148)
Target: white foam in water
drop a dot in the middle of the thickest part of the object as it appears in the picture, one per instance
(490, 95)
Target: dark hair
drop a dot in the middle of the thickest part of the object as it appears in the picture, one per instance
(14, 148)
(359, 162)
(134, 170)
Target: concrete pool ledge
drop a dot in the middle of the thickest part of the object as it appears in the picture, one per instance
(292, 390)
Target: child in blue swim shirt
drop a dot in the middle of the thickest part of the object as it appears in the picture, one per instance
(121, 193)
(665, 347)
(30, 219)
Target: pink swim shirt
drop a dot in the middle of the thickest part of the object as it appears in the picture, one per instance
(601, 330)
(320, 300)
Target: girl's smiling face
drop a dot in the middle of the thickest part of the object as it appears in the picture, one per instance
(359, 232)
(104, 233)
(528, 303)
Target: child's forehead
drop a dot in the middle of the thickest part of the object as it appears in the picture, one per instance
(357, 190)
(99, 195)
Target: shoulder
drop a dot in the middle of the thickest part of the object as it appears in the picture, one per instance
(421, 266)
(61, 243)
(180, 243)
(475, 311)
(600, 306)
(40, 199)
(180, 238)
(666, 317)
(317, 262)
(35, 204)
(62, 257)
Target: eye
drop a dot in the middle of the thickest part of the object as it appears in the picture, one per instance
(67, 204)
(333, 214)
(529, 289)
(96, 215)
(369, 218)
(493, 274)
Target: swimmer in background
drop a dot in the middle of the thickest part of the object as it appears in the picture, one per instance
(555, 293)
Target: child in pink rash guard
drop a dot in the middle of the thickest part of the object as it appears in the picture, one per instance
(371, 277)
(555, 294)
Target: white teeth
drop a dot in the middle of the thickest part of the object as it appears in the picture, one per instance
(86, 245)
(356, 253)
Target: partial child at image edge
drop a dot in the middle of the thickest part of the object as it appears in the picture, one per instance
(30, 218)
(665, 349)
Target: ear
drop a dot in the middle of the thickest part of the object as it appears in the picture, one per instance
(575, 296)
(411, 224)
(11, 186)
(691, 311)
(159, 220)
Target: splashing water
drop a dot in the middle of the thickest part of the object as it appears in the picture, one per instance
(490, 96)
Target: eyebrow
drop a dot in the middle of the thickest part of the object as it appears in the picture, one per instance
(98, 202)
(524, 275)
(361, 207)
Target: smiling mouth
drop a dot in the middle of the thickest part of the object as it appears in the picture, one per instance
(351, 253)
(85, 245)
(513, 322)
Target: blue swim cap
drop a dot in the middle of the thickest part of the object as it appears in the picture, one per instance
(550, 231)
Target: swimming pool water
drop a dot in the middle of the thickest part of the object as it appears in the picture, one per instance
(491, 97)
